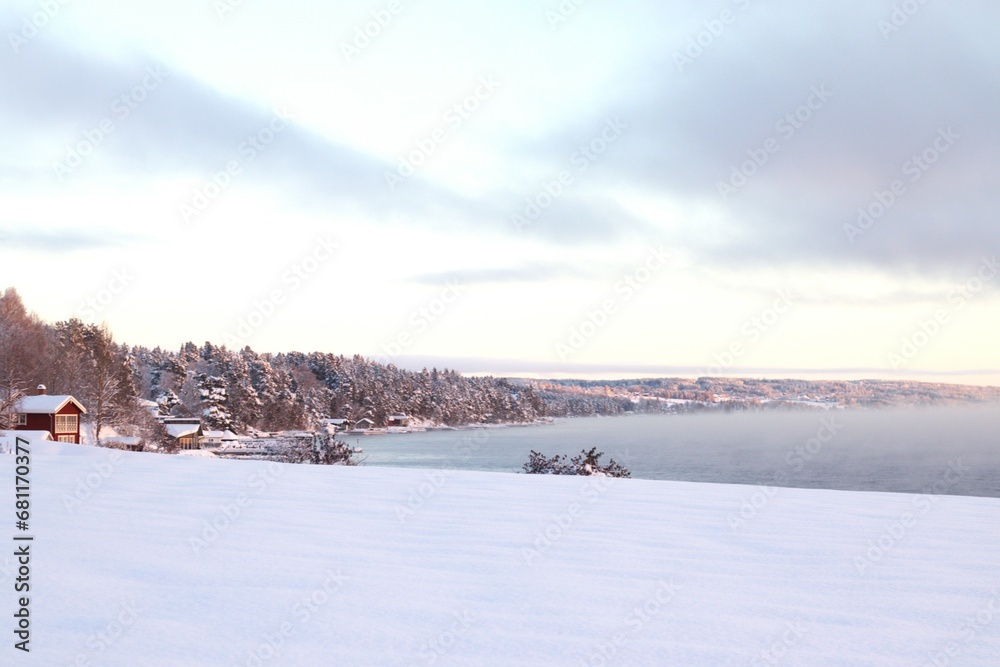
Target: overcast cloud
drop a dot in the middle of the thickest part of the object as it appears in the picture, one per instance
(522, 150)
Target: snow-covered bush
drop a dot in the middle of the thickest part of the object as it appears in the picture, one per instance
(585, 463)
(327, 451)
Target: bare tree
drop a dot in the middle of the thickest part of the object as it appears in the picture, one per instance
(94, 368)
(22, 350)
(137, 420)
(104, 392)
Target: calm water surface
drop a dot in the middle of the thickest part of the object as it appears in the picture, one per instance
(944, 450)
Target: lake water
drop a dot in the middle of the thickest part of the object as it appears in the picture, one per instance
(953, 450)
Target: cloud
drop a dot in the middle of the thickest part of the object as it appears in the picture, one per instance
(875, 104)
(61, 240)
(531, 272)
(167, 123)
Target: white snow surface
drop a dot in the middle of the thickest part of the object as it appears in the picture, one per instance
(315, 565)
(45, 404)
(180, 430)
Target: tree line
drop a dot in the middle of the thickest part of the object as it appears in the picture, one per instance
(242, 389)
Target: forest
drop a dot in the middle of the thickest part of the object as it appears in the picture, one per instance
(243, 389)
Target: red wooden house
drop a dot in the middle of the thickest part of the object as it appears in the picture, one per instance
(59, 415)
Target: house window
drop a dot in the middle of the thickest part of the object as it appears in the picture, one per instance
(66, 423)
(22, 419)
(67, 438)
(187, 442)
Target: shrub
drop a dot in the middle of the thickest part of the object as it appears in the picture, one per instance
(328, 451)
(585, 463)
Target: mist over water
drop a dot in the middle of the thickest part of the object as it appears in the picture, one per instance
(951, 450)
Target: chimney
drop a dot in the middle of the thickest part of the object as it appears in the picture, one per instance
(41, 390)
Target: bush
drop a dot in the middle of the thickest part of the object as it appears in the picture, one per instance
(586, 463)
(329, 451)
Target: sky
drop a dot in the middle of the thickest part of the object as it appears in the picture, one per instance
(549, 189)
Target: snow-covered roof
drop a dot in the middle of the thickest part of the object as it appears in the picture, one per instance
(127, 440)
(229, 436)
(27, 435)
(213, 434)
(181, 430)
(335, 422)
(46, 404)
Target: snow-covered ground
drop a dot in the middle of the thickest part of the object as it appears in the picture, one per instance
(143, 560)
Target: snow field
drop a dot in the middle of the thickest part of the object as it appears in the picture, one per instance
(151, 560)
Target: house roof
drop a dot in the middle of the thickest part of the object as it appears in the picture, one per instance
(27, 435)
(213, 434)
(229, 436)
(46, 404)
(181, 430)
(127, 440)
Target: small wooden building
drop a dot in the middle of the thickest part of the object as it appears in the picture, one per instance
(186, 431)
(59, 415)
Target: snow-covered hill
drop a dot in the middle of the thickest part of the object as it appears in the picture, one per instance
(146, 560)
